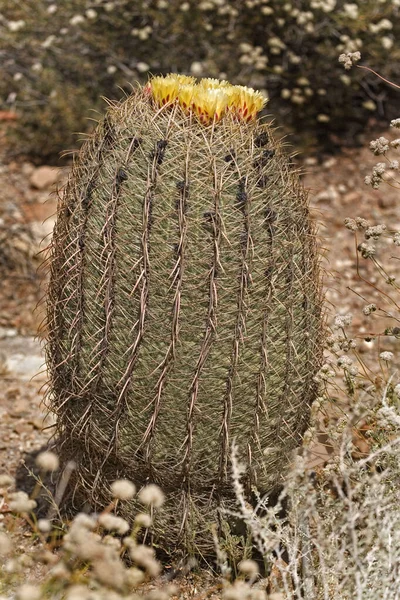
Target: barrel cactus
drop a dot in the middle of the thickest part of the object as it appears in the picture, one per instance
(184, 304)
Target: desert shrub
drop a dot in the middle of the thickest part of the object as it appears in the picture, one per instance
(58, 59)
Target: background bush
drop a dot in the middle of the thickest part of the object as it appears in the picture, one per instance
(59, 58)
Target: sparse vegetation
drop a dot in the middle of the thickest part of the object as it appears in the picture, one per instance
(60, 58)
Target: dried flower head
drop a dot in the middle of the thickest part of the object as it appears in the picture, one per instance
(366, 250)
(143, 520)
(368, 309)
(6, 481)
(248, 567)
(113, 523)
(349, 59)
(342, 321)
(123, 489)
(47, 461)
(44, 525)
(21, 503)
(28, 592)
(152, 495)
(5, 544)
(386, 356)
(379, 146)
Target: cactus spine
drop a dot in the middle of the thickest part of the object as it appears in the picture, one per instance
(184, 305)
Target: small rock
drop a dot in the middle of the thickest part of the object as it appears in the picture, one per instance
(37, 423)
(20, 408)
(329, 194)
(311, 161)
(27, 168)
(387, 201)
(330, 162)
(7, 332)
(44, 177)
(352, 197)
(25, 367)
(22, 427)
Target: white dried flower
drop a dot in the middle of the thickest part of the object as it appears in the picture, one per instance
(395, 143)
(344, 361)
(52, 9)
(341, 321)
(368, 180)
(196, 68)
(48, 41)
(78, 592)
(21, 503)
(374, 232)
(239, 590)
(396, 239)
(91, 13)
(143, 520)
(15, 25)
(113, 523)
(77, 20)
(366, 250)
(386, 42)
(248, 567)
(368, 309)
(111, 69)
(350, 224)
(386, 356)
(362, 223)
(84, 521)
(369, 105)
(152, 495)
(397, 390)
(60, 571)
(44, 525)
(395, 123)
(28, 592)
(5, 544)
(123, 489)
(379, 146)
(349, 58)
(6, 481)
(47, 461)
(394, 165)
(142, 67)
(144, 556)
(134, 577)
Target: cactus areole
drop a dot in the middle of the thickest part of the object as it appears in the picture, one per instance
(184, 304)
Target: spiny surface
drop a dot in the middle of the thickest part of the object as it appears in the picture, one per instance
(184, 311)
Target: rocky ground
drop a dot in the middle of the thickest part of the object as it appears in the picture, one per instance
(27, 209)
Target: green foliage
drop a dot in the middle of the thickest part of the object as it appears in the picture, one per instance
(184, 311)
(75, 52)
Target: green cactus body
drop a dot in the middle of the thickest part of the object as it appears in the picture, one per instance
(184, 311)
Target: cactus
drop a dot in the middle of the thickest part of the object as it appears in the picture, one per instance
(184, 304)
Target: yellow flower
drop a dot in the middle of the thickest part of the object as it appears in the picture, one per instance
(210, 98)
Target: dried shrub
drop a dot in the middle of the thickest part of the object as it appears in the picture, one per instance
(82, 50)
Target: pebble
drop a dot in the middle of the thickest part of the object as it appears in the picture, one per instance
(44, 177)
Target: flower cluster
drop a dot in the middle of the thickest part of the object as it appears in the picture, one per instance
(209, 99)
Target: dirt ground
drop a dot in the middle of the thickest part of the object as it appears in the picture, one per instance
(337, 191)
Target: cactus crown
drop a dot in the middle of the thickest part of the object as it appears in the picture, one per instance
(210, 99)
